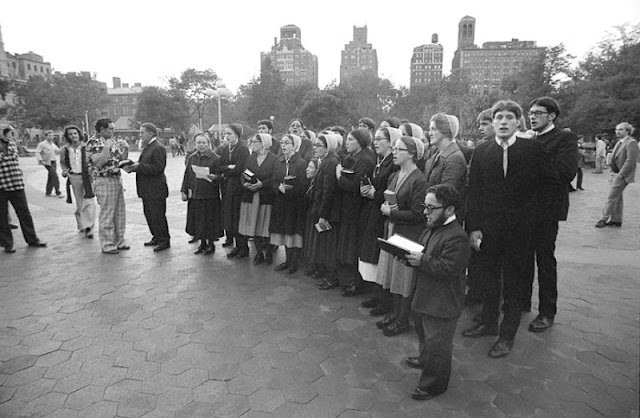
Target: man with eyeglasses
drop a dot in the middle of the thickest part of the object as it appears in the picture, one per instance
(561, 146)
(507, 175)
(439, 293)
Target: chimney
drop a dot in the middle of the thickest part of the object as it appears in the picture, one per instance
(434, 38)
(116, 82)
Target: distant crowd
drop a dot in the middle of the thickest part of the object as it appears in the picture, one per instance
(422, 222)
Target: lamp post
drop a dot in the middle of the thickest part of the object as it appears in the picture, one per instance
(219, 93)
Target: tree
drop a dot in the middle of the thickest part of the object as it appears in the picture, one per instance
(322, 109)
(163, 108)
(193, 85)
(61, 100)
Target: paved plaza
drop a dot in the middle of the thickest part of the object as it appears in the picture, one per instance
(144, 334)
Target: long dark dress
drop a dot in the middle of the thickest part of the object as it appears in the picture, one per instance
(371, 222)
(362, 163)
(325, 205)
(255, 207)
(288, 214)
(231, 187)
(205, 219)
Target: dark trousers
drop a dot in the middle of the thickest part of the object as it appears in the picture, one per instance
(155, 212)
(504, 254)
(475, 277)
(435, 339)
(579, 178)
(542, 253)
(53, 182)
(18, 200)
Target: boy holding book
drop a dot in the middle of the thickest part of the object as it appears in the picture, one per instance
(439, 295)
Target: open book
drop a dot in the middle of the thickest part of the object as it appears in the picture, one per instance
(399, 246)
(390, 197)
(125, 163)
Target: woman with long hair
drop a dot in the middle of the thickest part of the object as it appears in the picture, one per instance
(404, 217)
(258, 197)
(288, 216)
(74, 164)
(204, 219)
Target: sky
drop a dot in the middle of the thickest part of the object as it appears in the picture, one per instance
(150, 41)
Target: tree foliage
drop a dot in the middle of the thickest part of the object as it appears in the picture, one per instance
(193, 86)
(163, 107)
(60, 100)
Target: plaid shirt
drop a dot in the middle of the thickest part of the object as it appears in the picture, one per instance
(10, 174)
(110, 169)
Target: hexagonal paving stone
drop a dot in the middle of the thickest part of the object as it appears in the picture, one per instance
(84, 397)
(17, 363)
(101, 409)
(266, 400)
(136, 405)
(120, 390)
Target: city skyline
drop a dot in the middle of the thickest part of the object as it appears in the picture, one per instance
(149, 45)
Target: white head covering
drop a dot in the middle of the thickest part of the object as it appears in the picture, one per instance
(394, 134)
(419, 148)
(416, 131)
(332, 141)
(309, 135)
(454, 125)
(297, 141)
(266, 140)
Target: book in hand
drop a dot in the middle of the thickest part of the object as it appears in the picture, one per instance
(249, 176)
(322, 227)
(125, 163)
(289, 180)
(390, 197)
(347, 172)
(399, 246)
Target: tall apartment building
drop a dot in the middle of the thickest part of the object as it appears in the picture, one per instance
(358, 56)
(485, 68)
(4, 67)
(295, 64)
(426, 63)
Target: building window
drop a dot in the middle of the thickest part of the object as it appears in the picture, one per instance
(28, 66)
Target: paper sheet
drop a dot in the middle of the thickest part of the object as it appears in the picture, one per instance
(201, 172)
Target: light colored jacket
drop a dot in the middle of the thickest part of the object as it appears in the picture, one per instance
(624, 159)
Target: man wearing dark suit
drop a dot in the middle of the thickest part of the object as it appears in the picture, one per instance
(623, 172)
(151, 184)
(438, 299)
(561, 147)
(506, 178)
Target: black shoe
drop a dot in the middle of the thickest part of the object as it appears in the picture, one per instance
(38, 244)
(162, 247)
(210, 250)
(423, 395)
(258, 259)
(385, 322)
(151, 243)
(200, 249)
(193, 239)
(618, 224)
(352, 290)
(327, 284)
(243, 253)
(480, 330)
(9, 250)
(380, 310)
(370, 303)
(414, 362)
(541, 324)
(124, 247)
(580, 188)
(501, 348)
(395, 328)
(601, 223)
(233, 253)
(282, 266)
(228, 243)
(268, 258)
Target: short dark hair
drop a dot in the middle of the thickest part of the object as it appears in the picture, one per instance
(150, 127)
(6, 130)
(102, 123)
(267, 123)
(393, 122)
(549, 103)
(68, 128)
(368, 122)
(236, 128)
(446, 194)
(485, 115)
(339, 130)
(506, 105)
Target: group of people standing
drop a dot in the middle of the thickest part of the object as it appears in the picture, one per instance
(484, 218)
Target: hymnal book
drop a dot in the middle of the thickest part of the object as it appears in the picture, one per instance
(347, 172)
(249, 176)
(125, 163)
(390, 197)
(367, 181)
(399, 246)
(289, 180)
(322, 227)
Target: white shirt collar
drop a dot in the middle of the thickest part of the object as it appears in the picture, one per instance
(450, 219)
(547, 129)
(152, 139)
(510, 142)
